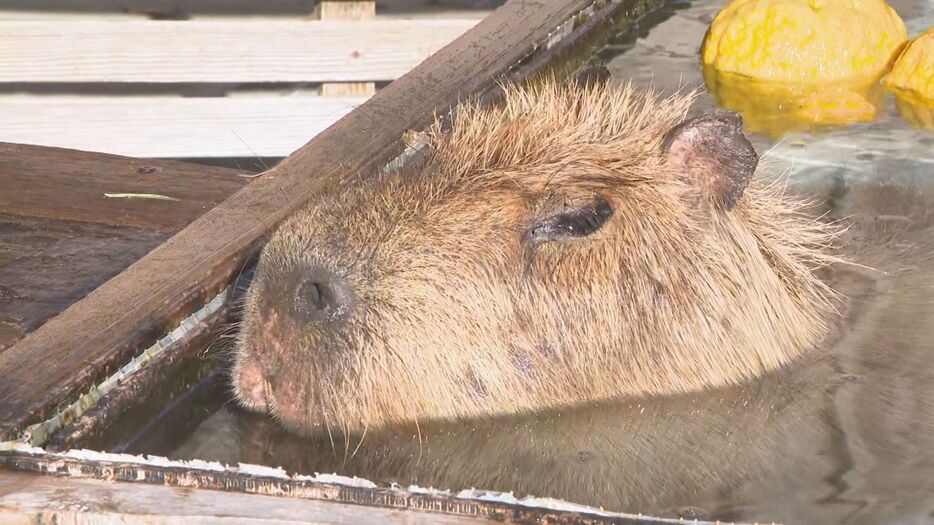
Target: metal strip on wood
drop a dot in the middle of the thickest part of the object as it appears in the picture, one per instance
(259, 480)
(33, 499)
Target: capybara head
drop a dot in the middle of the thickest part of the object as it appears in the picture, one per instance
(577, 242)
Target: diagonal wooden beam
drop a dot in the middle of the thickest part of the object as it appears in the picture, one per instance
(97, 334)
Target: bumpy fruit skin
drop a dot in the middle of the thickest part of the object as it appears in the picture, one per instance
(913, 72)
(805, 41)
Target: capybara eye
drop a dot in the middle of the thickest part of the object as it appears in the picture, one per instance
(581, 222)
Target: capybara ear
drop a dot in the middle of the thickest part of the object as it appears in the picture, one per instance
(592, 76)
(712, 153)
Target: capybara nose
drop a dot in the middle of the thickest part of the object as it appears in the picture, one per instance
(320, 299)
(251, 386)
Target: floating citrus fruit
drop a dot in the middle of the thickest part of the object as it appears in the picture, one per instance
(913, 72)
(836, 106)
(805, 41)
(919, 112)
(776, 108)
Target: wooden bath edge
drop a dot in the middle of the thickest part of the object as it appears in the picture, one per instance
(268, 481)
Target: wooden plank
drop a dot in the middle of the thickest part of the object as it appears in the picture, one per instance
(171, 127)
(219, 50)
(417, 11)
(49, 265)
(31, 499)
(166, 7)
(346, 10)
(61, 237)
(144, 301)
(61, 184)
(382, 503)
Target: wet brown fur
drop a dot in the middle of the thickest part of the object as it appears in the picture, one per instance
(458, 313)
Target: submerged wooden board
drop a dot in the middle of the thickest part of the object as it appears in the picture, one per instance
(171, 127)
(219, 51)
(61, 236)
(142, 303)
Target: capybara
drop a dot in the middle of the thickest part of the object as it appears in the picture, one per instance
(577, 242)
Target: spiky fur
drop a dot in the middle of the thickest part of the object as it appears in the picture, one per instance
(459, 314)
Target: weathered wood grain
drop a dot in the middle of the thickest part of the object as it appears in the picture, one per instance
(139, 305)
(165, 7)
(31, 499)
(171, 127)
(61, 236)
(329, 502)
(68, 185)
(219, 50)
(346, 10)
(46, 265)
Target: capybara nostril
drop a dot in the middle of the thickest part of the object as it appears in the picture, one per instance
(319, 301)
(251, 386)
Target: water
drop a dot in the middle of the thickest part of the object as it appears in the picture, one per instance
(844, 436)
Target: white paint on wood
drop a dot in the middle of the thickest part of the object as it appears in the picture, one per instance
(165, 126)
(219, 50)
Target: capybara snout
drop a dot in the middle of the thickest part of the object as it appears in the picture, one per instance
(576, 242)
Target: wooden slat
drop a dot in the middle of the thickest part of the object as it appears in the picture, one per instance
(104, 329)
(166, 7)
(61, 184)
(29, 499)
(219, 51)
(346, 10)
(49, 265)
(171, 127)
(61, 237)
(313, 501)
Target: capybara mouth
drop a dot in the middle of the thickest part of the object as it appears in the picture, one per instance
(576, 243)
(251, 386)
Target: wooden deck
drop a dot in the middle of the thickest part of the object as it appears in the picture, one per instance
(215, 79)
(220, 51)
